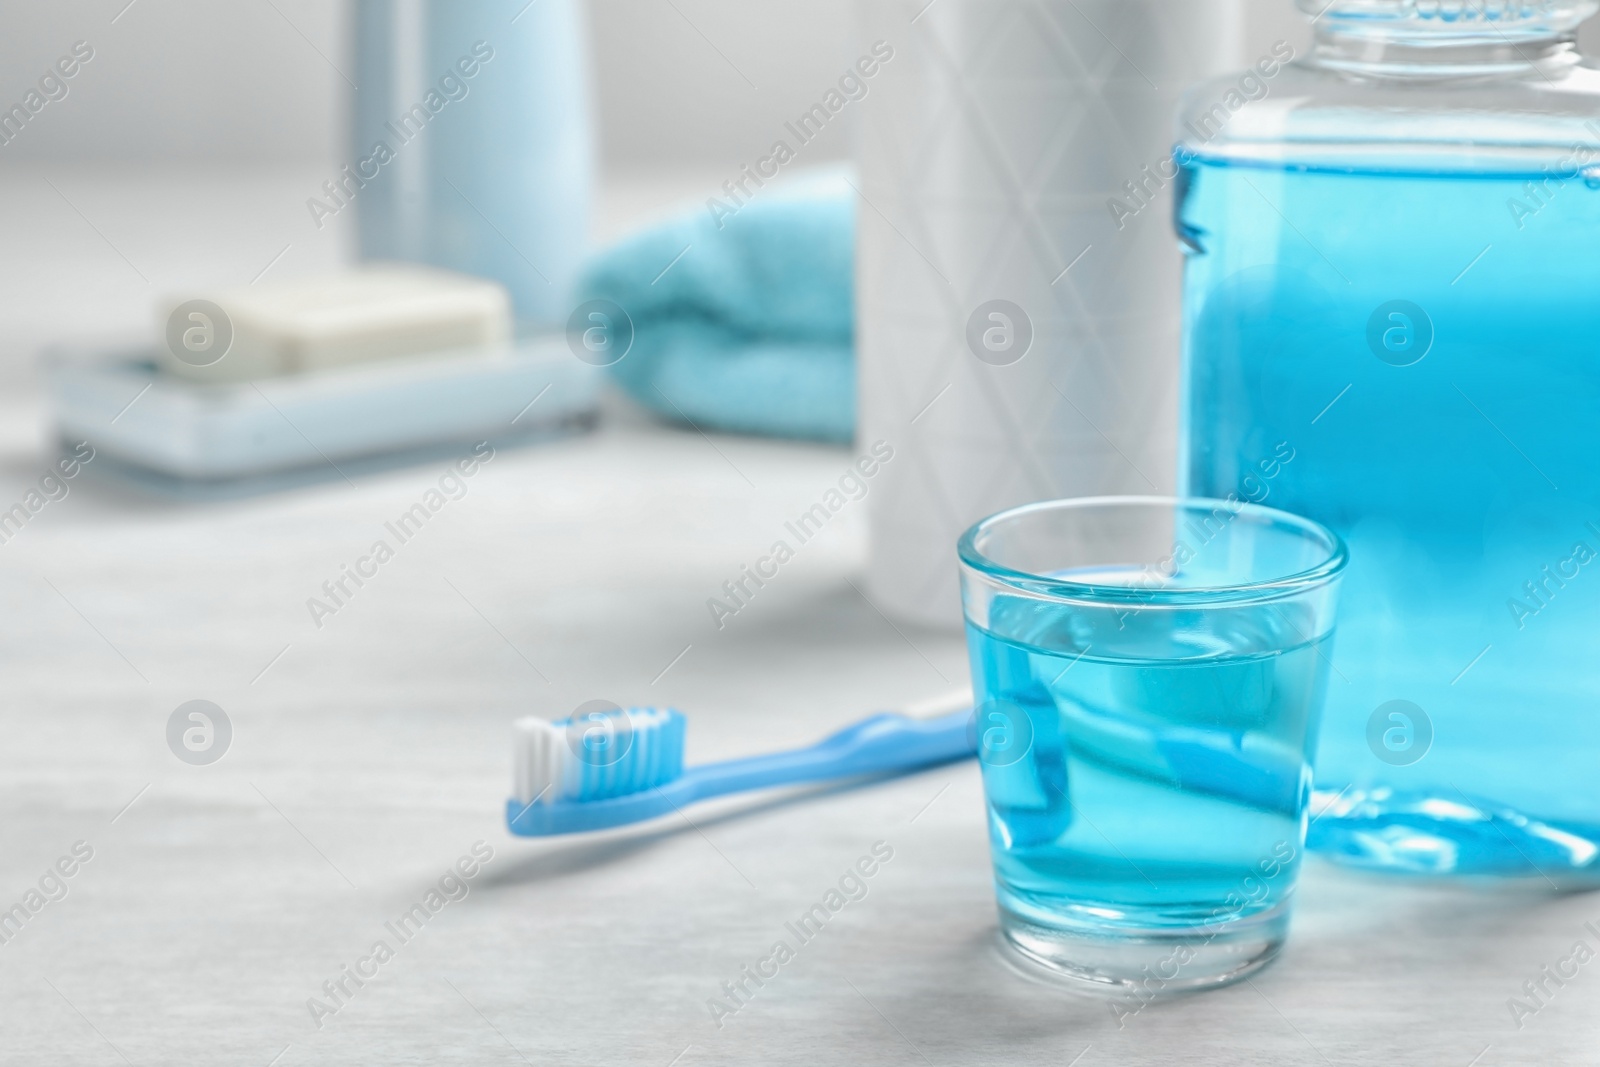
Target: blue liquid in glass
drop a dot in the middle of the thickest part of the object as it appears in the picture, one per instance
(1426, 344)
(1163, 788)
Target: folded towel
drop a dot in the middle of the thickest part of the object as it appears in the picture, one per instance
(751, 329)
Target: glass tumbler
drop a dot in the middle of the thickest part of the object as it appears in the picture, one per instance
(1149, 675)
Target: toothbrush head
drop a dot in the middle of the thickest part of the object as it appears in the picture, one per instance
(599, 752)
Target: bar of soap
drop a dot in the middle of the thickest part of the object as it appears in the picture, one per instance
(357, 316)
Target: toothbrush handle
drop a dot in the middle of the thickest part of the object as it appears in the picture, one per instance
(883, 744)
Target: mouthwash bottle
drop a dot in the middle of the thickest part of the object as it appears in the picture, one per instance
(1392, 325)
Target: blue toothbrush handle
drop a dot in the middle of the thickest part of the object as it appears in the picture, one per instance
(882, 744)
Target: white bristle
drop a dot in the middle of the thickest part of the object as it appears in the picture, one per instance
(539, 754)
(548, 764)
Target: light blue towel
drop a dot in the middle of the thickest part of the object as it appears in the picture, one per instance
(751, 330)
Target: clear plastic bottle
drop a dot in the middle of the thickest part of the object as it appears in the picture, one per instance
(1392, 325)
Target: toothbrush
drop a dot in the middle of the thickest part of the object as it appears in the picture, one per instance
(614, 767)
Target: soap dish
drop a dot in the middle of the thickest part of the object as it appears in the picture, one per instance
(118, 400)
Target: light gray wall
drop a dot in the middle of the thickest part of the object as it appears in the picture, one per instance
(178, 79)
(679, 83)
(671, 78)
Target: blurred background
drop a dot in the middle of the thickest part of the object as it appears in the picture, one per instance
(184, 92)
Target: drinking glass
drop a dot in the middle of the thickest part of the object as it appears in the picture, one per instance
(1149, 674)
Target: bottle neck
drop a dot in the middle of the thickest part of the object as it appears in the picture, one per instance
(1379, 57)
(1393, 39)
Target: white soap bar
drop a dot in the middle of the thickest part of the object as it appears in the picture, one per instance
(371, 313)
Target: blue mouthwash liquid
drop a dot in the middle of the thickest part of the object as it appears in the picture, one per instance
(1429, 346)
(1165, 788)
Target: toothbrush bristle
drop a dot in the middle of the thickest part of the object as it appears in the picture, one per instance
(596, 754)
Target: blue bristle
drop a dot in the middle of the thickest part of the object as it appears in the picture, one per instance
(640, 748)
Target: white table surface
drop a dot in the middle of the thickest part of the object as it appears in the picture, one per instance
(370, 754)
